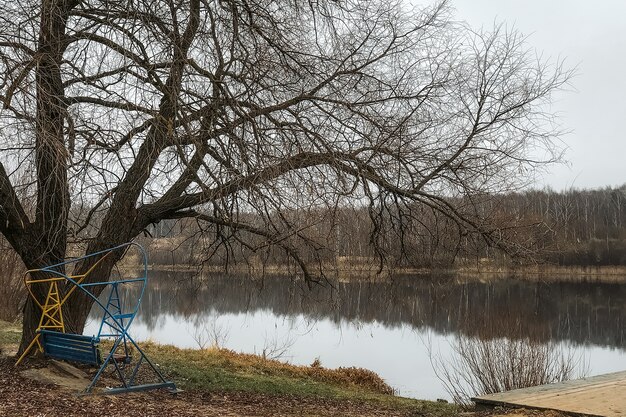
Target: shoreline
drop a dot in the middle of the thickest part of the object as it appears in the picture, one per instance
(547, 273)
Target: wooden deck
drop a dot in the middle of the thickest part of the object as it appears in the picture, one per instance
(599, 396)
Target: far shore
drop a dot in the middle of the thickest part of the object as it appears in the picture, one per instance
(371, 272)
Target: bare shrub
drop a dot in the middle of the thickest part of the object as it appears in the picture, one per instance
(12, 291)
(208, 333)
(276, 348)
(480, 367)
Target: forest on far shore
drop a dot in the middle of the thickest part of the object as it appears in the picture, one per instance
(564, 228)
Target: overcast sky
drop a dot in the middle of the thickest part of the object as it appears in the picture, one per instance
(592, 36)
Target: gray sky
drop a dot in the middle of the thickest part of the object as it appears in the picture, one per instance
(592, 36)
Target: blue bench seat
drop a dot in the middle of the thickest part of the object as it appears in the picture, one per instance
(71, 347)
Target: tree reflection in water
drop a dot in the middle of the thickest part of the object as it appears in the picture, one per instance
(579, 313)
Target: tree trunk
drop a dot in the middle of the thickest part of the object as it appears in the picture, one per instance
(48, 234)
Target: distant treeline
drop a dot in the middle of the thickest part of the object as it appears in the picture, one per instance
(588, 227)
(569, 228)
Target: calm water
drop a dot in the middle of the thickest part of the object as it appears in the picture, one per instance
(390, 328)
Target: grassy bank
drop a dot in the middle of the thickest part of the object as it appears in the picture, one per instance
(224, 371)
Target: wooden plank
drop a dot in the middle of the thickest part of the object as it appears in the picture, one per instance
(598, 396)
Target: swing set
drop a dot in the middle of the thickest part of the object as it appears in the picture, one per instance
(118, 312)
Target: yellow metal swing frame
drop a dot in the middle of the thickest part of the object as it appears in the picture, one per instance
(52, 308)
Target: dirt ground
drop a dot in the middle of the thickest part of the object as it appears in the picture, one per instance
(21, 396)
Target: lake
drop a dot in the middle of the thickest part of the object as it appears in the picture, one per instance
(392, 328)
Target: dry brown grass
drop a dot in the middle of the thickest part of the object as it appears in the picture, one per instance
(255, 364)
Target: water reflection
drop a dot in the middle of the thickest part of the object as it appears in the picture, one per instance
(577, 312)
(384, 326)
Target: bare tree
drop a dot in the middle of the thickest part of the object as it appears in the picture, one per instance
(119, 114)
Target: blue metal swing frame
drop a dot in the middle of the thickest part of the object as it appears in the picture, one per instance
(114, 324)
